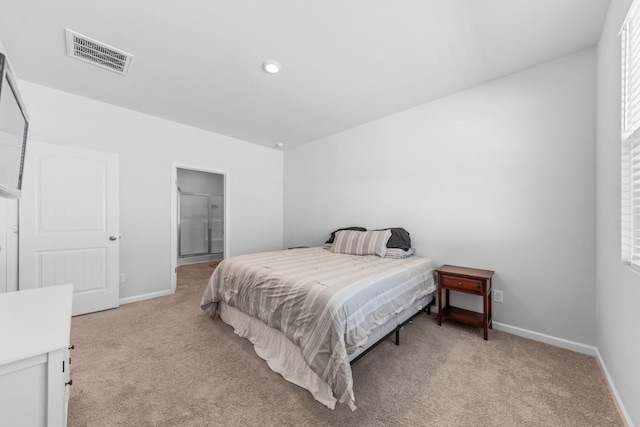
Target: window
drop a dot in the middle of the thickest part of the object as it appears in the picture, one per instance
(630, 42)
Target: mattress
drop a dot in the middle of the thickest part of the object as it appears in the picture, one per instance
(327, 305)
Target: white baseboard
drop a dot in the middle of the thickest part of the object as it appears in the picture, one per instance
(145, 296)
(574, 346)
(547, 339)
(614, 392)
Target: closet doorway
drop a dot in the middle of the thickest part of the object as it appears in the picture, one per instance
(199, 224)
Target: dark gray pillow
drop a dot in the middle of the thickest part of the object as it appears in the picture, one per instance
(399, 238)
(333, 233)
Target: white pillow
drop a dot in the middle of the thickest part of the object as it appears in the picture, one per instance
(361, 242)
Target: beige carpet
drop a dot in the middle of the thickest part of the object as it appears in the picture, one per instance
(163, 362)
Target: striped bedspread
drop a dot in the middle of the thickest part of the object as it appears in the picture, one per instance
(325, 303)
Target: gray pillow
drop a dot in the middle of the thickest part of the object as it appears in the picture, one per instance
(361, 242)
(333, 233)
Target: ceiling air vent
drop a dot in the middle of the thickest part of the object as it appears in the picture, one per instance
(97, 53)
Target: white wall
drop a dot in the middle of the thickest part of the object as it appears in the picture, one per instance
(501, 177)
(617, 287)
(147, 146)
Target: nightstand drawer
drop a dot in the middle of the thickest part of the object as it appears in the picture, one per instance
(464, 284)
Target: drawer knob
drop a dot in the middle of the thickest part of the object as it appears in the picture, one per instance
(459, 283)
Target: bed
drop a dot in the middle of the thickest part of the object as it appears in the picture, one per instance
(310, 312)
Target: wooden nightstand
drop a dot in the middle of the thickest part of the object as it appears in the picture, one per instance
(470, 281)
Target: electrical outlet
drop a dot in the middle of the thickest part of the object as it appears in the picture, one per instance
(122, 278)
(497, 296)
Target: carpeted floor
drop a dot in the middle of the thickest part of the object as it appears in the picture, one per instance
(164, 362)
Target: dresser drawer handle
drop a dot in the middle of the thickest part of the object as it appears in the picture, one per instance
(459, 283)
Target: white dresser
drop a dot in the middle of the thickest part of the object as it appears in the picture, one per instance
(35, 330)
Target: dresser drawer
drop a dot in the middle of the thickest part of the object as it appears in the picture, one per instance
(469, 285)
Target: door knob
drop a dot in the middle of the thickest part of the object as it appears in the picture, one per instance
(112, 238)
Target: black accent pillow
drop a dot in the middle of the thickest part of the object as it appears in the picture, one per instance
(399, 238)
(333, 233)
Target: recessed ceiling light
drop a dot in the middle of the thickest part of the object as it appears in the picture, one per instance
(271, 66)
(280, 144)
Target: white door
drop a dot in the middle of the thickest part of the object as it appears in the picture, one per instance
(8, 245)
(69, 224)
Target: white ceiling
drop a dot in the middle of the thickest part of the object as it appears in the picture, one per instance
(345, 62)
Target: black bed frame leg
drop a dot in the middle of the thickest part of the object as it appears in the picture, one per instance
(398, 336)
(432, 302)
